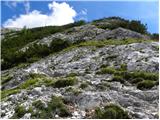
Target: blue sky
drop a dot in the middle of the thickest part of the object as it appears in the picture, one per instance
(40, 13)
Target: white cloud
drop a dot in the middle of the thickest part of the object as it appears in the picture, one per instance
(13, 4)
(61, 13)
(82, 15)
(84, 12)
(27, 6)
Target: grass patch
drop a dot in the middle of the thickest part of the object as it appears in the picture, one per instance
(146, 84)
(36, 52)
(5, 79)
(146, 75)
(55, 106)
(64, 82)
(38, 104)
(35, 75)
(84, 85)
(118, 79)
(36, 80)
(104, 66)
(111, 42)
(27, 84)
(144, 80)
(75, 91)
(102, 86)
(20, 111)
(72, 75)
(111, 112)
(6, 93)
(136, 80)
(107, 70)
(123, 67)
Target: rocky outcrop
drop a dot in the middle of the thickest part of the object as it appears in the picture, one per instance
(137, 56)
(91, 84)
(90, 32)
(120, 33)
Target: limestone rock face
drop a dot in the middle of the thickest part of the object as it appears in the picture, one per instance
(120, 33)
(90, 71)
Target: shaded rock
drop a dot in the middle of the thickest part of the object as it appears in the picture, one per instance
(120, 33)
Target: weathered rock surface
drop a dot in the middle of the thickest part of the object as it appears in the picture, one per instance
(90, 32)
(137, 56)
(120, 33)
(85, 62)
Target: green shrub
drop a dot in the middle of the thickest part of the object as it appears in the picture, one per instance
(73, 90)
(146, 84)
(35, 75)
(103, 66)
(27, 84)
(69, 89)
(59, 44)
(127, 75)
(107, 70)
(76, 92)
(118, 79)
(123, 67)
(110, 57)
(5, 79)
(6, 93)
(141, 74)
(136, 80)
(72, 75)
(70, 81)
(137, 26)
(116, 22)
(30, 110)
(120, 73)
(84, 85)
(145, 75)
(155, 36)
(111, 112)
(57, 105)
(19, 112)
(39, 104)
(102, 86)
(10, 45)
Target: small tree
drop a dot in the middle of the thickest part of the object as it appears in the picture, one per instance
(137, 26)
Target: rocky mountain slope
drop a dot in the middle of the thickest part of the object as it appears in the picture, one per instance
(105, 73)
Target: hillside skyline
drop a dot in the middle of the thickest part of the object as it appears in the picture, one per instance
(36, 14)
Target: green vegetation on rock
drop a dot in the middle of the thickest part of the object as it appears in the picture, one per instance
(55, 106)
(142, 79)
(146, 84)
(115, 22)
(107, 70)
(102, 86)
(64, 82)
(10, 46)
(8, 92)
(38, 104)
(5, 79)
(72, 75)
(20, 111)
(84, 85)
(33, 81)
(38, 51)
(111, 111)
(118, 79)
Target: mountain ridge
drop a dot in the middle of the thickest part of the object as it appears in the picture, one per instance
(88, 72)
